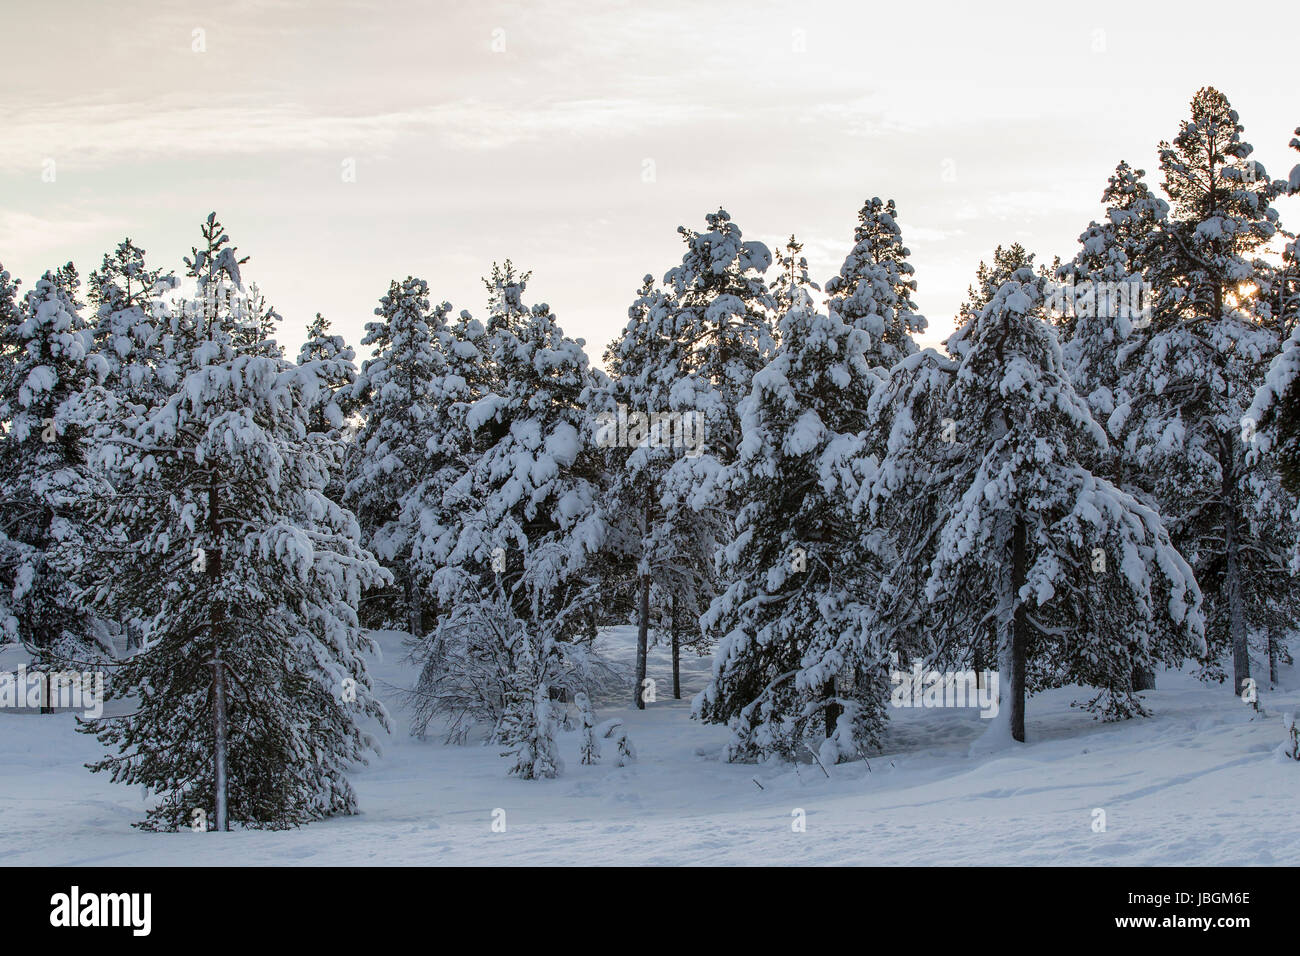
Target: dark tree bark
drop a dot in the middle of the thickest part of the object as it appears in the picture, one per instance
(832, 709)
(642, 640)
(677, 651)
(1144, 678)
(219, 716)
(1232, 571)
(1019, 642)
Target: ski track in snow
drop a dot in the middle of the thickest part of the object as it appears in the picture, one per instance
(1197, 784)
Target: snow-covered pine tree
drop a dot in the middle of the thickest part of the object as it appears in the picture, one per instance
(590, 749)
(535, 487)
(398, 392)
(1271, 432)
(1100, 328)
(1290, 746)
(14, 555)
(1187, 388)
(709, 329)
(989, 278)
(133, 370)
(332, 418)
(250, 692)
(1272, 423)
(1100, 305)
(722, 317)
(910, 461)
(873, 291)
(526, 525)
(338, 402)
(465, 658)
(789, 621)
(464, 377)
(1077, 574)
(1286, 284)
(129, 354)
(528, 724)
(654, 537)
(643, 364)
(258, 323)
(45, 479)
(793, 285)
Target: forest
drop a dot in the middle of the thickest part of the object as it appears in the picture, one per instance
(1096, 479)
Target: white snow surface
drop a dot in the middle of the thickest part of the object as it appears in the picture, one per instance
(1198, 783)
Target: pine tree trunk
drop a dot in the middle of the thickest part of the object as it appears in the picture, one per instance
(44, 640)
(677, 652)
(642, 640)
(1272, 656)
(414, 608)
(1232, 571)
(1143, 678)
(1019, 628)
(832, 709)
(219, 716)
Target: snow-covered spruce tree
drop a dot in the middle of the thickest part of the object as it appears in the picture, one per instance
(527, 521)
(45, 479)
(397, 393)
(873, 291)
(1186, 389)
(248, 695)
(1076, 572)
(789, 621)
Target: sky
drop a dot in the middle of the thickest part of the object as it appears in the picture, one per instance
(347, 143)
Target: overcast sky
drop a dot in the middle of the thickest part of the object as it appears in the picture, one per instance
(575, 137)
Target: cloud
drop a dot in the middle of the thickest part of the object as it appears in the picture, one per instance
(87, 135)
(20, 230)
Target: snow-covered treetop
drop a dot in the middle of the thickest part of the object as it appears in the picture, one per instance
(873, 291)
(46, 342)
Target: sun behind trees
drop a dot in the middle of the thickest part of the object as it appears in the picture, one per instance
(1096, 478)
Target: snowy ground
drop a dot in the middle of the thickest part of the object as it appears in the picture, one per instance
(1196, 784)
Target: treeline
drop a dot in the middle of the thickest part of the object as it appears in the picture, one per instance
(1096, 478)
